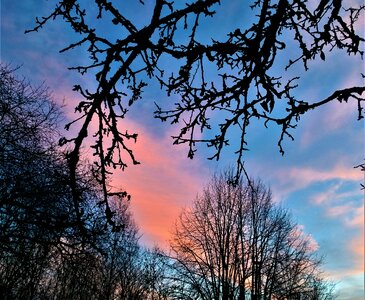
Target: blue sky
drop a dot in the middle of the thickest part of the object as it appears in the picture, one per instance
(315, 179)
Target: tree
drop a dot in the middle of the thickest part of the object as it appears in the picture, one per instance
(123, 271)
(50, 246)
(130, 271)
(37, 213)
(35, 195)
(235, 243)
(29, 218)
(240, 82)
(35, 190)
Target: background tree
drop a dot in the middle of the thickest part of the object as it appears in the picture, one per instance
(235, 243)
(240, 82)
(36, 199)
(124, 270)
(37, 212)
(34, 209)
(129, 270)
(50, 246)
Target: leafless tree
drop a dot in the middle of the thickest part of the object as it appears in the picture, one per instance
(36, 202)
(235, 243)
(129, 270)
(240, 83)
(119, 269)
(33, 209)
(47, 250)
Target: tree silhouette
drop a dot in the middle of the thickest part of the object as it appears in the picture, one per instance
(240, 82)
(31, 176)
(37, 212)
(235, 243)
(35, 190)
(51, 248)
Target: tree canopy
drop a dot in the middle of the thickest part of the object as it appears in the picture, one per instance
(235, 75)
(50, 246)
(236, 243)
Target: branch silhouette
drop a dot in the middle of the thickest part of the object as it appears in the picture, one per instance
(242, 88)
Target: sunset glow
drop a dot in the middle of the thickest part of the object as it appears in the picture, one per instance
(315, 179)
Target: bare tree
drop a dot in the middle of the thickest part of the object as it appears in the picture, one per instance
(240, 82)
(33, 211)
(234, 243)
(36, 202)
(129, 270)
(125, 270)
(121, 264)
(47, 249)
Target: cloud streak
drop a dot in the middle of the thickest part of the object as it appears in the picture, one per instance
(165, 182)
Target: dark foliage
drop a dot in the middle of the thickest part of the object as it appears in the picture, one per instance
(50, 246)
(35, 192)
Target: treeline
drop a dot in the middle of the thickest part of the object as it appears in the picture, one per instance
(234, 243)
(47, 249)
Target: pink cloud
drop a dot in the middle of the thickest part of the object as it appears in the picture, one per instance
(339, 210)
(285, 180)
(353, 218)
(357, 220)
(349, 214)
(333, 195)
(300, 235)
(165, 182)
(296, 178)
(356, 246)
(330, 119)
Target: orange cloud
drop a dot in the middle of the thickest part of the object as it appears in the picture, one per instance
(165, 182)
(353, 218)
(356, 245)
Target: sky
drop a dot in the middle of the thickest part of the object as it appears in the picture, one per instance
(315, 179)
